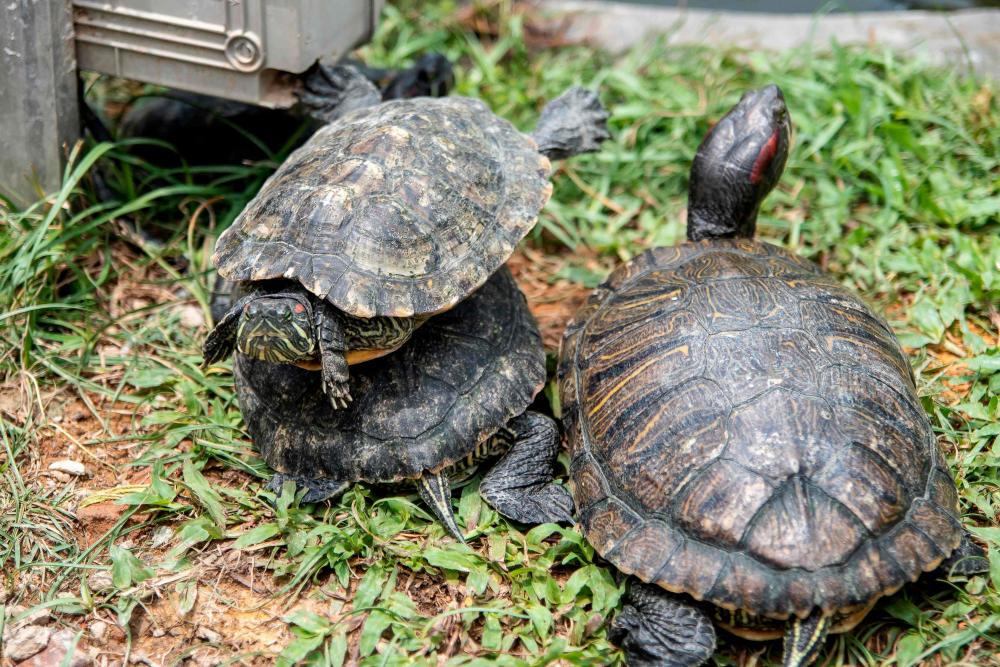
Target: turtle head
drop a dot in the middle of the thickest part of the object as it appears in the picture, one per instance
(277, 328)
(737, 164)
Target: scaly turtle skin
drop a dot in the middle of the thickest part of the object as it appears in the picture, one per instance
(745, 431)
(395, 210)
(454, 395)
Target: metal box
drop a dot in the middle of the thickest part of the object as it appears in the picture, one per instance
(237, 49)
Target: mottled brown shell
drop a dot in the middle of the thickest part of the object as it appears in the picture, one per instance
(459, 380)
(402, 209)
(745, 430)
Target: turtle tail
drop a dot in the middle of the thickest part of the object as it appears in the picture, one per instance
(804, 639)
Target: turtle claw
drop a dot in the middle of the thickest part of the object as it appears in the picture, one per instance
(339, 394)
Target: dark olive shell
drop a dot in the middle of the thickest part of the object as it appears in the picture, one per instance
(745, 430)
(461, 378)
(402, 209)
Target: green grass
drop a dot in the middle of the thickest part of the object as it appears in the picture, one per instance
(893, 185)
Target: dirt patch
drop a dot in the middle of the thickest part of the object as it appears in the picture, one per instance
(552, 300)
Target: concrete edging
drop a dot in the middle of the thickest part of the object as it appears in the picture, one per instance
(964, 38)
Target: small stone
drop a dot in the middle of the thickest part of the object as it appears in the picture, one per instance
(98, 630)
(37, 617)
(158, 632)
(161, 536)
(26, 641)
(192, 317)
(69, 467)
(55, 654)
(100, 581)
(140, 658)
(206, 658)
(59, 476)
(207, 634)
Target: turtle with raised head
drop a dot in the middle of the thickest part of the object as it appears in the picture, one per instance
(392, 213)
(455, 395)
(745, 433)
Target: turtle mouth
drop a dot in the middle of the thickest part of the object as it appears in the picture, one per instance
(767, 103)
(763, 111)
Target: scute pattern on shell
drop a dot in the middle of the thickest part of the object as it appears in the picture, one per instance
(744, 430)
(402, 209)
(462, 377)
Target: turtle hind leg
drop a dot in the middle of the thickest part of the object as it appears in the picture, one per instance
(330, 91)
(435, 491)
(315, 489)
(659, 629)
(804, 639)
(573, 123)
(520, 485)
(967, 559)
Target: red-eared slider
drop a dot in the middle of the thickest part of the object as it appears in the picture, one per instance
(453, 396)
(745, 432)
(393, 212)
(206, 130)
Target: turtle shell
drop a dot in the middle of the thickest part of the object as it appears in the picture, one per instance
(462, 377)
(745, 430)
(399, 210)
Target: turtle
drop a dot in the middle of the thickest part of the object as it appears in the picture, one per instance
(208, 130)
(391, 213)
(744, 433)
(456, 395)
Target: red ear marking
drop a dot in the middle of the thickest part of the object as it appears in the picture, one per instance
(764, 158)
(299, 308)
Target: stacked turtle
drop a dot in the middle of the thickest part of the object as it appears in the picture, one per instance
(377, 335)
(745, 434)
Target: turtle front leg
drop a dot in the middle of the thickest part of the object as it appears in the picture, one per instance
(221, 340)
(575, 122)
(659, 629)
(520, 486)
(333, 362)
(331, 91)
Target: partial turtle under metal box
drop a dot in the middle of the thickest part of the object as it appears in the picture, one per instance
(240, 50)
(245, 50)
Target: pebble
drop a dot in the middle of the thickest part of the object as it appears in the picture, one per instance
(140, 658)
(100, 581)
(192, 317)
(37, 617)
(162, 536)
(56, 652)
(98, 630)
(26, 641)
(69, 467)
(208, 634)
